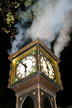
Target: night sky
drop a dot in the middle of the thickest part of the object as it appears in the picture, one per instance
(7, 96)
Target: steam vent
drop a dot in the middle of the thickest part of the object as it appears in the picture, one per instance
(34, 76)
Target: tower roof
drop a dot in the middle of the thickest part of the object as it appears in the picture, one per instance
(30, 45)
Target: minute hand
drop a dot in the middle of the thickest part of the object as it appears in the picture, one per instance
(47, 67)
(23, 64)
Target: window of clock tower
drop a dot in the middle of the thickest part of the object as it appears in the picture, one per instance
(47, 103)
(28, 103)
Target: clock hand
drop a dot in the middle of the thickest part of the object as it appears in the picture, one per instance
(47, 68)
(24, 66)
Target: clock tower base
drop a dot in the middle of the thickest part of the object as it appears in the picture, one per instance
(36, 91)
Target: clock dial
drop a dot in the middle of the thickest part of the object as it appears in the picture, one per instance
(47, 68)
(25, 66)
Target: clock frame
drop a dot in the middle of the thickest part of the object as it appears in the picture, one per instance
(15, 62)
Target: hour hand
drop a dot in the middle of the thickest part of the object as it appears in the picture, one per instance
(24, 65)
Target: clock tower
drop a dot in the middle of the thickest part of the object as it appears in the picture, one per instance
(34, 76)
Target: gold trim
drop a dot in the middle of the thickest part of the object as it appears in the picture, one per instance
(13, 72)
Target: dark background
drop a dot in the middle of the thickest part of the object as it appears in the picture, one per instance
(7, 96)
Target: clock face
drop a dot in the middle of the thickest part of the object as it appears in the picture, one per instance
(25, 66)
(47, 68)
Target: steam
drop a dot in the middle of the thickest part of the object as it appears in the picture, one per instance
(51, 18)
(64, 37)
(19, 39)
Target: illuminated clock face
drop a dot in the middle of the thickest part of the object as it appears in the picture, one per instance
(25, 66)
(47, 68)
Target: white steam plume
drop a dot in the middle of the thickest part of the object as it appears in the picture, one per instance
(51, 18)
(19, 39)
(64, 37)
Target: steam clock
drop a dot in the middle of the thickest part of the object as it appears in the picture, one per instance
(34, 76)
